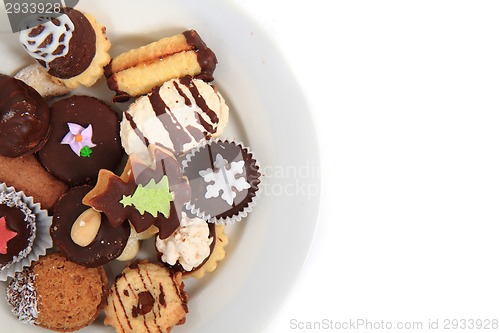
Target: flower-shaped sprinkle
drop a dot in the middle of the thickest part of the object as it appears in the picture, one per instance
(79, 138)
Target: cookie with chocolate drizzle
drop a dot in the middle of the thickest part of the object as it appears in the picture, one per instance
(71, 46)
(146, 297)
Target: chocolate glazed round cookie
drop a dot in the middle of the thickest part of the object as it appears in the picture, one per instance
(85, 138)
(107, 245)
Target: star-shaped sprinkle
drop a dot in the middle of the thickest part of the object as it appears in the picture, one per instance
(5, 235)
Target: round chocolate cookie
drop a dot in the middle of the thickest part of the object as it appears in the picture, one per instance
(85, 138)
(224, 179)
(107, 245)
(24, 118)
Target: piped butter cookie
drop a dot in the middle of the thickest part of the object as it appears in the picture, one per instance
(146, 298)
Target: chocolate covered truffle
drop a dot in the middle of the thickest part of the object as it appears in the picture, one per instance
(107, 242)
(85, 139)
(24, 118)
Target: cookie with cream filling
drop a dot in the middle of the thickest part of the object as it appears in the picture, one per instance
(138, 71)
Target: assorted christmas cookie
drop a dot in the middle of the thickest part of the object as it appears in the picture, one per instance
(24, 118)
(28, 175)
(57, 294)
(178, 189)
(146, 298)
(85, 139)
(194, 248)
(178, 115)
(145, 194)
(72, 47)
(224, 179)
(46, 85)
(83, 234)
(23, 231)
(137, 72)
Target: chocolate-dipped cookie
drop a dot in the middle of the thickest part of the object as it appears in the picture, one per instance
(85, 139)
(72, 47)
(97, 242)
(24, 118)
(224, 179)
(136, 72)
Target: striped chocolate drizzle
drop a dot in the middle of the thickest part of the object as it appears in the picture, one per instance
(145, 287)
(200, 101)
(137, 131)
(187, 101)
(177, 135)
(123, 307)
(187, 81)
(136, 310)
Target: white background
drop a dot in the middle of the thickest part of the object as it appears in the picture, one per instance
(406, 99)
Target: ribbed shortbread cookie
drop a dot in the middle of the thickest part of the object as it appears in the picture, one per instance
(146, 297)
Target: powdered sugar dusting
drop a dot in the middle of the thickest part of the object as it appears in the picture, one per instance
(22, 296)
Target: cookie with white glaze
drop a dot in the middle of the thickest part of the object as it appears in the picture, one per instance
(72, 46)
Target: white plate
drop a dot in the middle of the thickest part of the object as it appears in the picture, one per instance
(269, 114)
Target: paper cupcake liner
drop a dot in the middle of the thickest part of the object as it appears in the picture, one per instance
(42, 240)
(190, 206)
